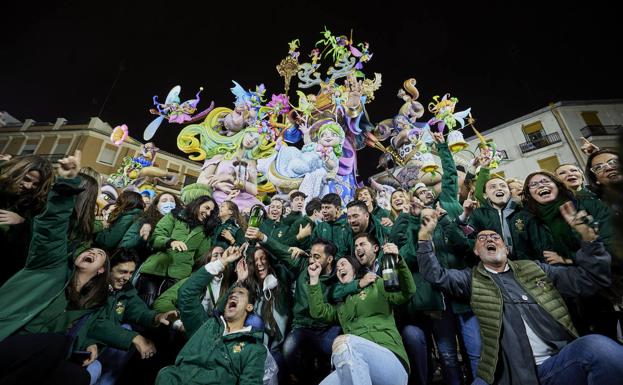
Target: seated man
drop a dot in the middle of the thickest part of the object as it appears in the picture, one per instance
(527, 333)
(220, 350)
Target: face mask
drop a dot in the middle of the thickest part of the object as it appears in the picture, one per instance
(270, 282)
(166, 207)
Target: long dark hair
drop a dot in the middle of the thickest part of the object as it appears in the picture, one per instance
(189, 215)
(11, 174)
(82, 220)
(591, 178)
(236, 216)
(93, 293)
(152, 215)
(563, 192)
(128, 200)
(272, 303)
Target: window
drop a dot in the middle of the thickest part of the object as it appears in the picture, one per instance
(190, 180)
(503, 154)
(533, 131)
(3, 143)
(62, 146)
(107, 155)
(550, 163)
(30, 147)
(591, 118)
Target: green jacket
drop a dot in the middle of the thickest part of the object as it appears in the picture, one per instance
(167, 301)
(167, 262)
(534, 236)
(368, 314)
(111, 237)
(487, 217)
(123, 306)
(273, 229)
(293, 230)
(34, 300)
(333, 231)
(348, 242)
(234, 229)
(379, 213)
(298, 266)
(448, 198)
(451, 248)
(209, 357)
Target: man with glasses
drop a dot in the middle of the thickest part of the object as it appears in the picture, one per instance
(528, 335)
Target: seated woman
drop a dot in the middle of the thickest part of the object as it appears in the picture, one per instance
(24, 185)
(128, 207)
(371, 350)
(46, 307)
(180, 239)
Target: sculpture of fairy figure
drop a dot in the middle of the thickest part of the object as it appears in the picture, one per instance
(318, 161)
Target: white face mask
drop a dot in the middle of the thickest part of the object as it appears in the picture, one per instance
(270, 282)
(166, 207)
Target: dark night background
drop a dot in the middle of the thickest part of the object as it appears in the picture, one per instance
(502, 59)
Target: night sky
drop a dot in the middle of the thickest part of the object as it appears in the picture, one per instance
(502, 60)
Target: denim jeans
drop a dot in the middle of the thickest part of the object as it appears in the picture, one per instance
(414, 340)
(445, 330)
(590, 360)
(303, 345)
(112, 363)
(358, 361)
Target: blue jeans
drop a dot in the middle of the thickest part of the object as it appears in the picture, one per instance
(112, 363)
(303, 345)
(358, 361)
(445, 330)
(590, 360)
(414, 340)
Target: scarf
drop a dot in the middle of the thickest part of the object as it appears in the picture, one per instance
(565, 243)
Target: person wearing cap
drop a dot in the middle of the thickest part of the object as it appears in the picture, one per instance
(528, 335)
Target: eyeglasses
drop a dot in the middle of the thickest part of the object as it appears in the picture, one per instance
(601, 167)
(543, 182)
(493, 236)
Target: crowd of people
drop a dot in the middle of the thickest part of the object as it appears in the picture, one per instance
(499, 281)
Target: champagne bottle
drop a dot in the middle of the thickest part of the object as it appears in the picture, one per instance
(390, 275)
(256, 216)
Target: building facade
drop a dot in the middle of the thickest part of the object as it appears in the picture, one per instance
(546, 138)
(551, 136)
(56, 140)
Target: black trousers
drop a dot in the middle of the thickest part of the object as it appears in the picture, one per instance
(39, 359)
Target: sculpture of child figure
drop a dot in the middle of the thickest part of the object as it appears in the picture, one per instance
(318, 161)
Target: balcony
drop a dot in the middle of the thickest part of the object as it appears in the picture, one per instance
(540, 143)
(598, 130)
